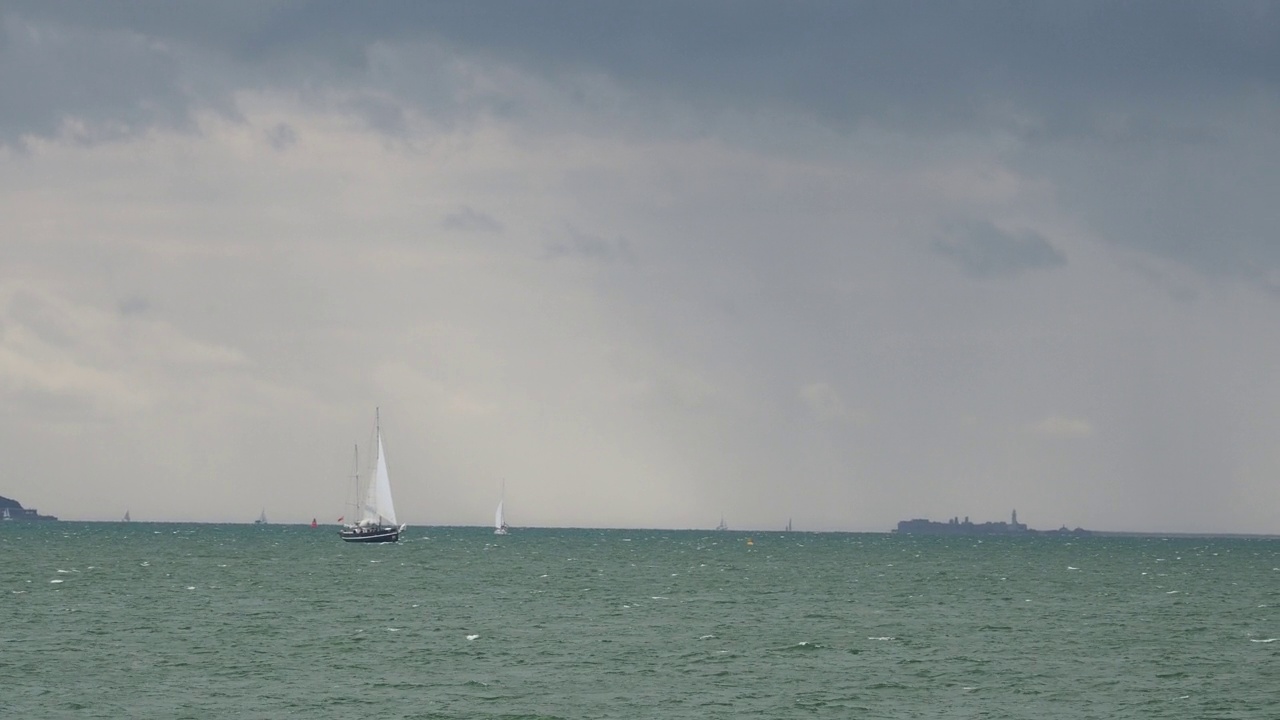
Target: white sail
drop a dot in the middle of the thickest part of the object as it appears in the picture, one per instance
(499, 522)
(378, 506)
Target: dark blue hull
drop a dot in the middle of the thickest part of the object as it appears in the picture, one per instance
(371, 535)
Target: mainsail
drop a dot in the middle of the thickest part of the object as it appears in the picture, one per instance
(499, 522)
(378, 506)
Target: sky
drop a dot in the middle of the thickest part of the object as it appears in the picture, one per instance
(644, 264)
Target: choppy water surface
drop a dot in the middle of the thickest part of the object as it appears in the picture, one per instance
(200, 621)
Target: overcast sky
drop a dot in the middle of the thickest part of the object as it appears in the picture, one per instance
(650, 263)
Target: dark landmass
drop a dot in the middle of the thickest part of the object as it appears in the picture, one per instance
(13, 510)
(957, 527)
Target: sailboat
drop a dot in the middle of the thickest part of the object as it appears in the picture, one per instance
(126, 517)
(377, 521)
(788, 524)
(722, 526)
(262, 519)
(500, 520)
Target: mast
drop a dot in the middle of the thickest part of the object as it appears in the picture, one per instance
(377, 458)
(356, 500)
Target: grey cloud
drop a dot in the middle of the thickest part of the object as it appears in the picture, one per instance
(1209, 206)
(592, 248)
(469, 219)
(133, 305)
(983, 250)
(282, 137)
(382, 114)
(109, 84)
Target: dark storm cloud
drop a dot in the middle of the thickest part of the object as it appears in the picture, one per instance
(117, 83)
(983, 250)
(924, 65)
(1141, 114)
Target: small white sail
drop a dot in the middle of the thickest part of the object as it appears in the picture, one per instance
(126, 516)
(499, 521)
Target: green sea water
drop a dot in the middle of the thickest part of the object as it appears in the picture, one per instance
(105, 620)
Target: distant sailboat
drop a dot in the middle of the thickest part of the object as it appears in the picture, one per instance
(314, 524)
(262, 519)
(788, 524)
(377, 523)
(126, 517)
(722, 526)
(499, 519)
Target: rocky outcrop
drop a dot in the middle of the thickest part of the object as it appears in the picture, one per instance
(13, 510)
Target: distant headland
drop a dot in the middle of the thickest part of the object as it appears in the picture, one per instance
(956, 526)
(13, 510)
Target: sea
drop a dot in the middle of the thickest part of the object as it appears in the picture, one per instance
(142, 620)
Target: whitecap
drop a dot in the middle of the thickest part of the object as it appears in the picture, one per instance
(657, 597)
(968, 688)
(144, 563)
(1268, 640)
(880, 638)
(55, 582)
(191, 587)
(1072, 568)
(393, 629)
(706, 637)
(1173, 592)
(472, 637)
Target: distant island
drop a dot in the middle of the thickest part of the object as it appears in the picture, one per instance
(13, 510)
(956, 526)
